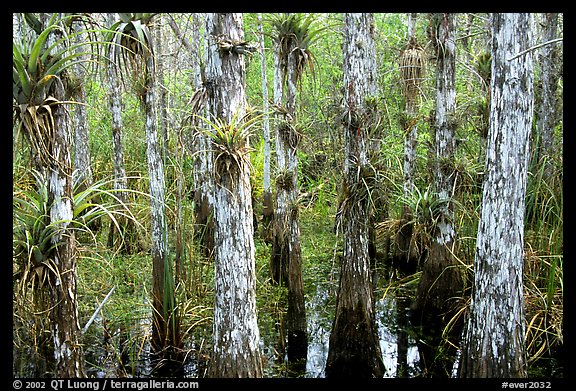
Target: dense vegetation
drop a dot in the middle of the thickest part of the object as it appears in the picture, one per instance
(117, 341)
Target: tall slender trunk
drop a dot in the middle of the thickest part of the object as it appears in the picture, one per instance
(203, 179)
(403, 253)
(165, 334)
(268, 207)
(548, 114)
(120, 180)
(441, 280)
(354, 348)
(493, 343)
(82, 175)
(68, 351)
(286, 251)
(236, 351)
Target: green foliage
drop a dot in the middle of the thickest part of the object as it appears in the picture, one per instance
(38, 66)
(230, 139)
(295, 34)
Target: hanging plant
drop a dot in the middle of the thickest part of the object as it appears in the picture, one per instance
(296, 34)
(36, 66)
(412, 66)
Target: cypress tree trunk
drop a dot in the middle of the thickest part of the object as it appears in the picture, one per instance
(68, 352)
(494, 339)
(403, 254)
(286, 255)
(165, 334)
(120, 181)
(204, 166)
(354, 348)
(286, 164)
(236, 335)
(441, 280)
(82, 166)
(267, 204)
(548, 114)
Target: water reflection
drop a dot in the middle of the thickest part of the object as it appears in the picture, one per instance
(399, 350)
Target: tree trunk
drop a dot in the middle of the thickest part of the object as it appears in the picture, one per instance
(120, 181)
(403, 254)
(236, 351)
(82, 176)
(165, 334)
(548, 114)
(236, 334)
(268, 207)
(441, 279)
(68, 352)
(354, 348)
(286, 255)
(494, 339)
(203, 178)
(286, 162)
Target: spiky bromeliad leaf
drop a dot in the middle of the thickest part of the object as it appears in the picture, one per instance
(36, 66)
(230, 139)
(131, 42)
(299, 32)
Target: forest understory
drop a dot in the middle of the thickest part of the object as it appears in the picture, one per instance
(287, 195)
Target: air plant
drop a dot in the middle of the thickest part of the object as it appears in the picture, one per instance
(37, 65)
(296, 34)
(130, 47)
(231, 139)
(33, 231)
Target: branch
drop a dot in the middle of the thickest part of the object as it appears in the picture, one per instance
(180, 36)
(535, 47)
(98, 310)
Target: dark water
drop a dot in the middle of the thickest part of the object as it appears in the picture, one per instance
(124, 355)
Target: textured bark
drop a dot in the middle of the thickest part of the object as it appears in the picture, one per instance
(441, 280)
(548, 113)
(236, 334)
(287, 164)
(82, 165)
(163, 333)
(120, 181)
(267, 205)
(236, 351)
(494, 339)
(203, 178)
(403, 254)
(68, 352)
(354, 348)
(286, 255)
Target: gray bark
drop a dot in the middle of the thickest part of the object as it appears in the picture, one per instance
(440, 280)
(354, 348)
(403, 252)
(163, 334)
(286, 251)
(236, 351)
(267, 196)
(68, 350)
(494, 339)
(120, 180)
(82, 165)
(548, 113)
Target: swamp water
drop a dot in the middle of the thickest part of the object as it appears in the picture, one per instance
(117, 357)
